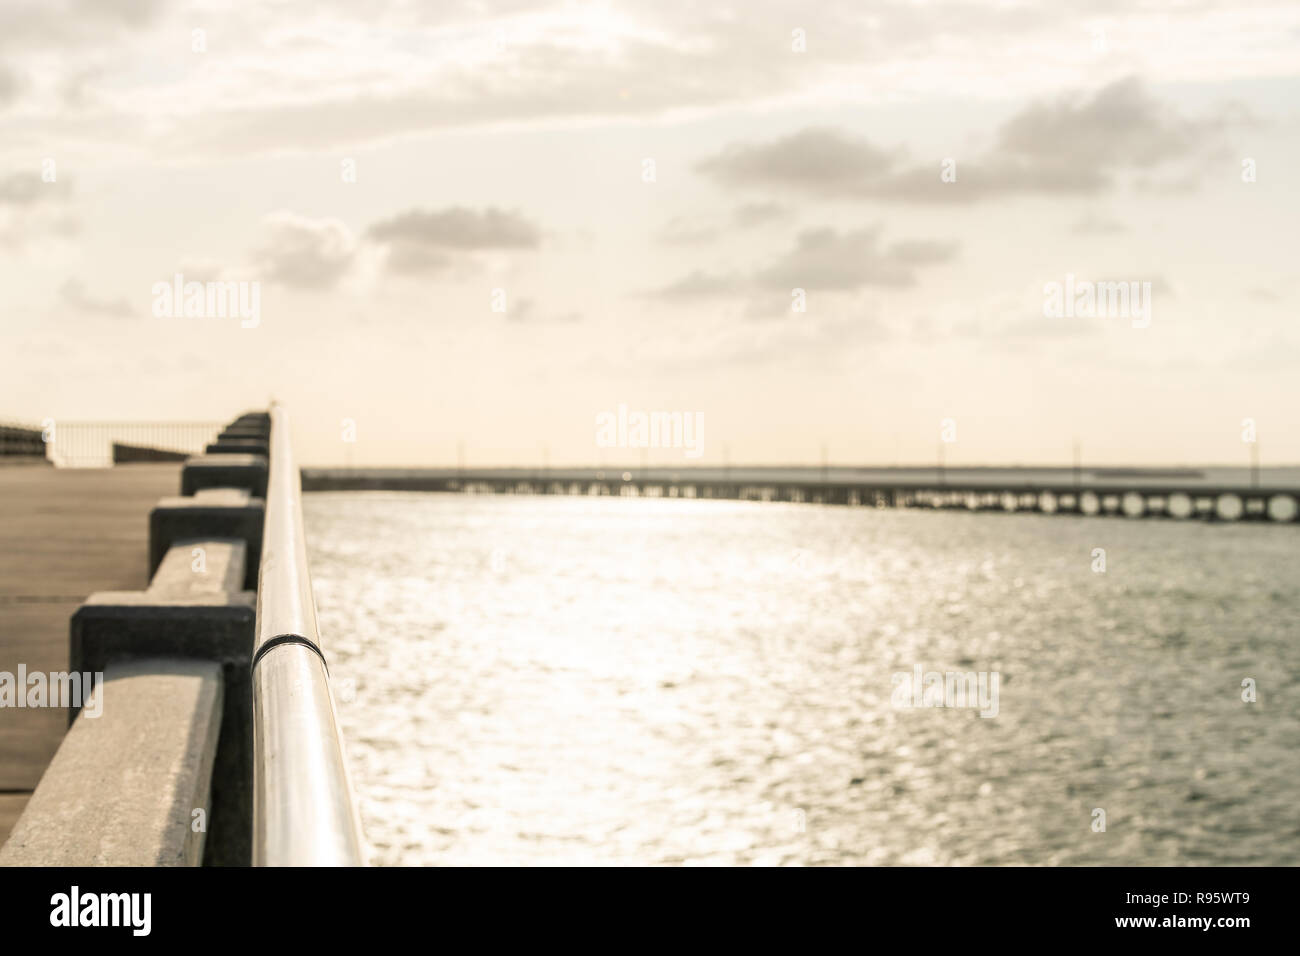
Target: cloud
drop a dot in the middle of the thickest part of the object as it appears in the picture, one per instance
(1071, 145)
(278, 80)
(409, 259)
(319, 253)
(923, 252)
(823, 259)
(27, 188)
(32, 209)
(525, 310)
(459, 228)
(420, 242)
(829, 260)
(1094, 225)
(753, 214)
(73, 294)
(304, 253)
(687, 231)
(43, 24)
(11, 84)
(1120, 126)
(130, 13)
(700, 284)
(476, 67)
(817, 159)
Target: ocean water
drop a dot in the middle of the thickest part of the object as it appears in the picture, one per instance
(552, 680)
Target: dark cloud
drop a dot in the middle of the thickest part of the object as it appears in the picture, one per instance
(817, 159)
(459, 229)
(830, 260)
(310, 253)
(1073, 145)
(825, 260)
(1120, 126)
(304, 253)
(409, 259)
(420, 242)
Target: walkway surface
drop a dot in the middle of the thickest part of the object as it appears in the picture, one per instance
(64, 533)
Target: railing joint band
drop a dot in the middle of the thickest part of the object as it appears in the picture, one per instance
(274, 642)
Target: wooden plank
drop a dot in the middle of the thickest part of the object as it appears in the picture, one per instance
(63, 534)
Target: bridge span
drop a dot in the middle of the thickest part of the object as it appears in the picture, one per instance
(1135, 494)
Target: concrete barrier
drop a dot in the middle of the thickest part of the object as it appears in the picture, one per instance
(225, 471)
(188, 614)
(22, 443)
(237, 446)
(213, 512)
(131, 454)
(132, 786)
(244, 433)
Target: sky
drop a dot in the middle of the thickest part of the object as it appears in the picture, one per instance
(826, 230)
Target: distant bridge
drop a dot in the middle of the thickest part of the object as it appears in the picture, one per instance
(1136, 493)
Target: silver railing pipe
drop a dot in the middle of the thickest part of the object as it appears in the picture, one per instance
(303, 809)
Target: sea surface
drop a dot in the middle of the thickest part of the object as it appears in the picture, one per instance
(564, 680)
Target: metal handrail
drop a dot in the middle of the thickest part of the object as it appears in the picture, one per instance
(303, 810)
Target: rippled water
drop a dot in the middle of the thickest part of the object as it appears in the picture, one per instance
(565, 680)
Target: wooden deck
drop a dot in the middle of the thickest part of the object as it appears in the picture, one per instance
(64, 533)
